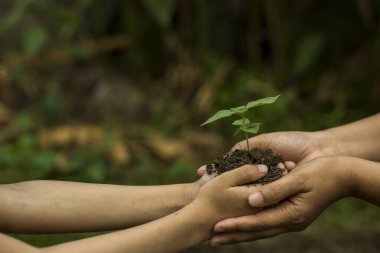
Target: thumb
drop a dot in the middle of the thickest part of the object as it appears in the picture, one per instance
(277, 191)
(260, 141)
(244, 175)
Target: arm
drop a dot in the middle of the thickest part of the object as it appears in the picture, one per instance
(172, 233)
(358, 139)
(309, 189)
(217, 200)
(11, 245)
(52, 206)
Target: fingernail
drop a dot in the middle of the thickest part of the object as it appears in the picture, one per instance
(262, 168)
(256, 199)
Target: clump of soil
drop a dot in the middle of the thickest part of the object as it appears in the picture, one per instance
(238, 158)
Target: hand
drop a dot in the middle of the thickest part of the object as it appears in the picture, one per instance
(226, 195)
(295, 147)
(197, 185)
(298, 147)
(305, 193)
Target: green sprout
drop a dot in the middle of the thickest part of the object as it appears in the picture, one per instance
(243, 124)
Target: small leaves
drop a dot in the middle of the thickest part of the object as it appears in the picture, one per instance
(219, 115)
(252, 128)
(241, 122)
(263, 101)
(239, 110)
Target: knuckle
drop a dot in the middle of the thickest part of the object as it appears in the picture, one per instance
(297, 220)
(240, 226)
(274, 193)
(249, 172)
(219, 180)
(299, 223)
(302, 181)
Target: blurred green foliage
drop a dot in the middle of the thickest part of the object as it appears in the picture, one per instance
(129, 66)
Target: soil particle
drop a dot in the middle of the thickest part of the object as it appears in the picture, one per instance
(238, 158)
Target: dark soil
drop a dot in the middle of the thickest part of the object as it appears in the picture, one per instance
(238, 158)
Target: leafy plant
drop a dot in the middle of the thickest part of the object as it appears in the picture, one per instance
(243, 124)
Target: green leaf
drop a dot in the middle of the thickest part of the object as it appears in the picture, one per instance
(34, 39)
(219, 115)
(239, 110)
(263, 101)
(252, 128)
(241, 122)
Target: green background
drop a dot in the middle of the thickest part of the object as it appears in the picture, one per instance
(115, 91)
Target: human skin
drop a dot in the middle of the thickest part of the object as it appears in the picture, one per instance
(342, 155)
(58, 207)
(217, 199)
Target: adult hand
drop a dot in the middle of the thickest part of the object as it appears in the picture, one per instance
(305, 192)
(297, 147)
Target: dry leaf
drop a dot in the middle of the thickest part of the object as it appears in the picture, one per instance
(120, 153)
(82, 136)
(168, 149)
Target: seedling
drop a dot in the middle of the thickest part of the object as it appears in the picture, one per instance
(243, 124)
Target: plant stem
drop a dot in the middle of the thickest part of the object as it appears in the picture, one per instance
(246, 139)
(245, 126)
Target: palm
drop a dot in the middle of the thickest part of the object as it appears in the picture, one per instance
(299, 147)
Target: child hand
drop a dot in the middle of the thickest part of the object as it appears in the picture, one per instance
(226, 195)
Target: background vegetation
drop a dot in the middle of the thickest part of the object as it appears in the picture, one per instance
(114, 91)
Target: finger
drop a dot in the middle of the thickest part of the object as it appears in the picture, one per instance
(241, 224)
(277, 191)
(201, 171)
(290, 165)
(286, 167)
(228, 238)
(281, 166)
(272, 218)
(260, 141)
(245, 174)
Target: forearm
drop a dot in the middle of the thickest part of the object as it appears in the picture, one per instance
(52, 206)
(358, 139)
(11, 245)
(365, 180)
(172, 233)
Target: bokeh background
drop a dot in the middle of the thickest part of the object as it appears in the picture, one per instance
(115, 91)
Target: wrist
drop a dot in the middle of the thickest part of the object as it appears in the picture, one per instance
(190, 191)
(343, 171)
(202, 218)
(328, 142)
